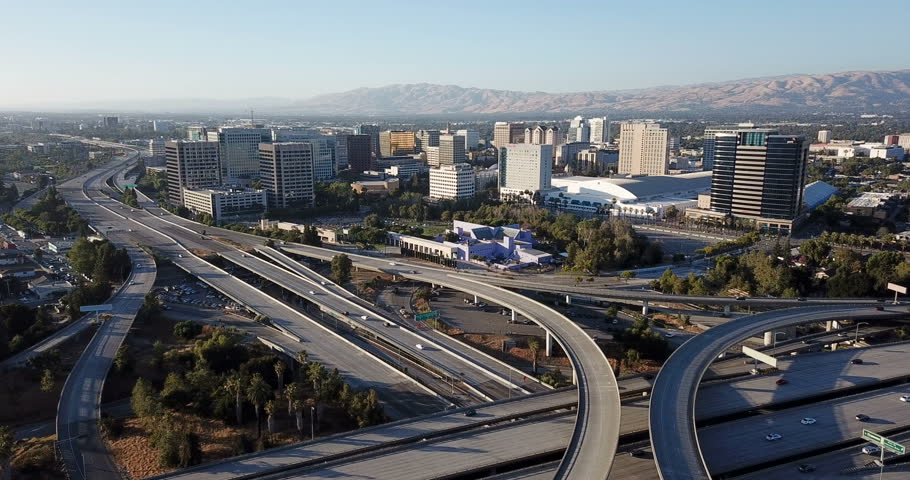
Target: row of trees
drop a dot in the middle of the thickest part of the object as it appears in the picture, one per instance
(744, 241)
(596, 244)
(21, 327)
(130, 197)
(49, 216)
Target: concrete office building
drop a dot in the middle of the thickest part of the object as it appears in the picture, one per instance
(396, 142)
(111, 122)
(708, 147)
(426, 138)
(162, 126)
(191, 165)
(600, 130)
(595, 162)
(156, 148)
(324, 148)
(293, 134)
(579, 130)
(220, 202)
(524, 169)
(471, 139)
(406, 171)
(758, 176)
(568, 152)
(643, 149)
(903, 141)
(239, 149)
(824, 136)
(286, 172)
(432, 155)
(341, 151)
(552, 136)
(451, 150)
(505, 133)
(454, 182)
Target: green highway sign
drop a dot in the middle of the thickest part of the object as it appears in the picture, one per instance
(884, 442)
(426, 316)
(130, 186)
(872, 437)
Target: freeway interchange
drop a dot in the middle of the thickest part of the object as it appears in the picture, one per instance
(592, 435)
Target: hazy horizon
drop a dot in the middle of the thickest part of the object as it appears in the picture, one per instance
(105, 53)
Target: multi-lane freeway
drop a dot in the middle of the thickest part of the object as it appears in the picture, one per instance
(673, 399)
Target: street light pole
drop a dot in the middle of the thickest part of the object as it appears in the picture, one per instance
(312, 423)
(856, 335)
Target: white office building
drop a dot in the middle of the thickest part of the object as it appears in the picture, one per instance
(222, 202)
(600, 130)
(824, 136)
(524, 169)
(156, 148)
(643, 149)
(453, 182)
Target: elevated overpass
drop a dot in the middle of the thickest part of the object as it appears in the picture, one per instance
(673, 398)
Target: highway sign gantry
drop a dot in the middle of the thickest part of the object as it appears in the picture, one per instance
(883, 442)
(426, 316)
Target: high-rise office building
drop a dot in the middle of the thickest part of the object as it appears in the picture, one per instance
(341, 151)
(239, 150)
(760, 175)
(505, 133)
(891, 140)
(111, 122)
(568, 152)
(453, 182)
(426, 138)
(579, 130)
(396, 142)
(707, 162)
(373, 132)
(286, 172)
(471, 139)
(162, 126)
(451, 149)
(524, 168)
(191, 165)
(599, 130)
(903, 140)
(359, 152)
(643, 149)
(156, 148)
(824, 136)
(325, 158)
(552, 136)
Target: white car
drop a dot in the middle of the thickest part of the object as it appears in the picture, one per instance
(393, 264)
(669, 334)
(312, 292)
(419, 346)
(807, 421)
(323, 283)
(364, 317)
(870, 449)
(773, 436)
(905, 398)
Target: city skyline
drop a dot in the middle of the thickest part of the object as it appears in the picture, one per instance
(113, 52)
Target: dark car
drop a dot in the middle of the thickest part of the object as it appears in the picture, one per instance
(801, 299)
(862, 417)
(781, 381)
(636, 453)
(857, 361)
(805, 468)
(880, 308)
(470, 412)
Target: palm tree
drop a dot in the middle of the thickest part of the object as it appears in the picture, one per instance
(298, 412)
(279, 372)
(234, 385)
(258, 392)
(302, 358)
(534, 347)
(292, 393)
(316, 373)
(7, 441)
(270, 409)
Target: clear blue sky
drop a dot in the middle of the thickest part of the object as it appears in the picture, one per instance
(110, 50)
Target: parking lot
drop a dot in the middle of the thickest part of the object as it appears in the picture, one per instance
(190, 292)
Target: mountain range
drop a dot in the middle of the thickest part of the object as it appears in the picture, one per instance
(856, 91)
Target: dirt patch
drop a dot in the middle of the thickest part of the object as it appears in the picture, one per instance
(33, 459)
(675, 320)
(20, 389)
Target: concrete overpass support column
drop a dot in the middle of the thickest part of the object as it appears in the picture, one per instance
(769, 338)
(568, 299)
(726, 309)
(548, 350)
(829, 325)
(644, 307)
(475, 299)
(513, 316)
(836, 325)
(574, 377)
